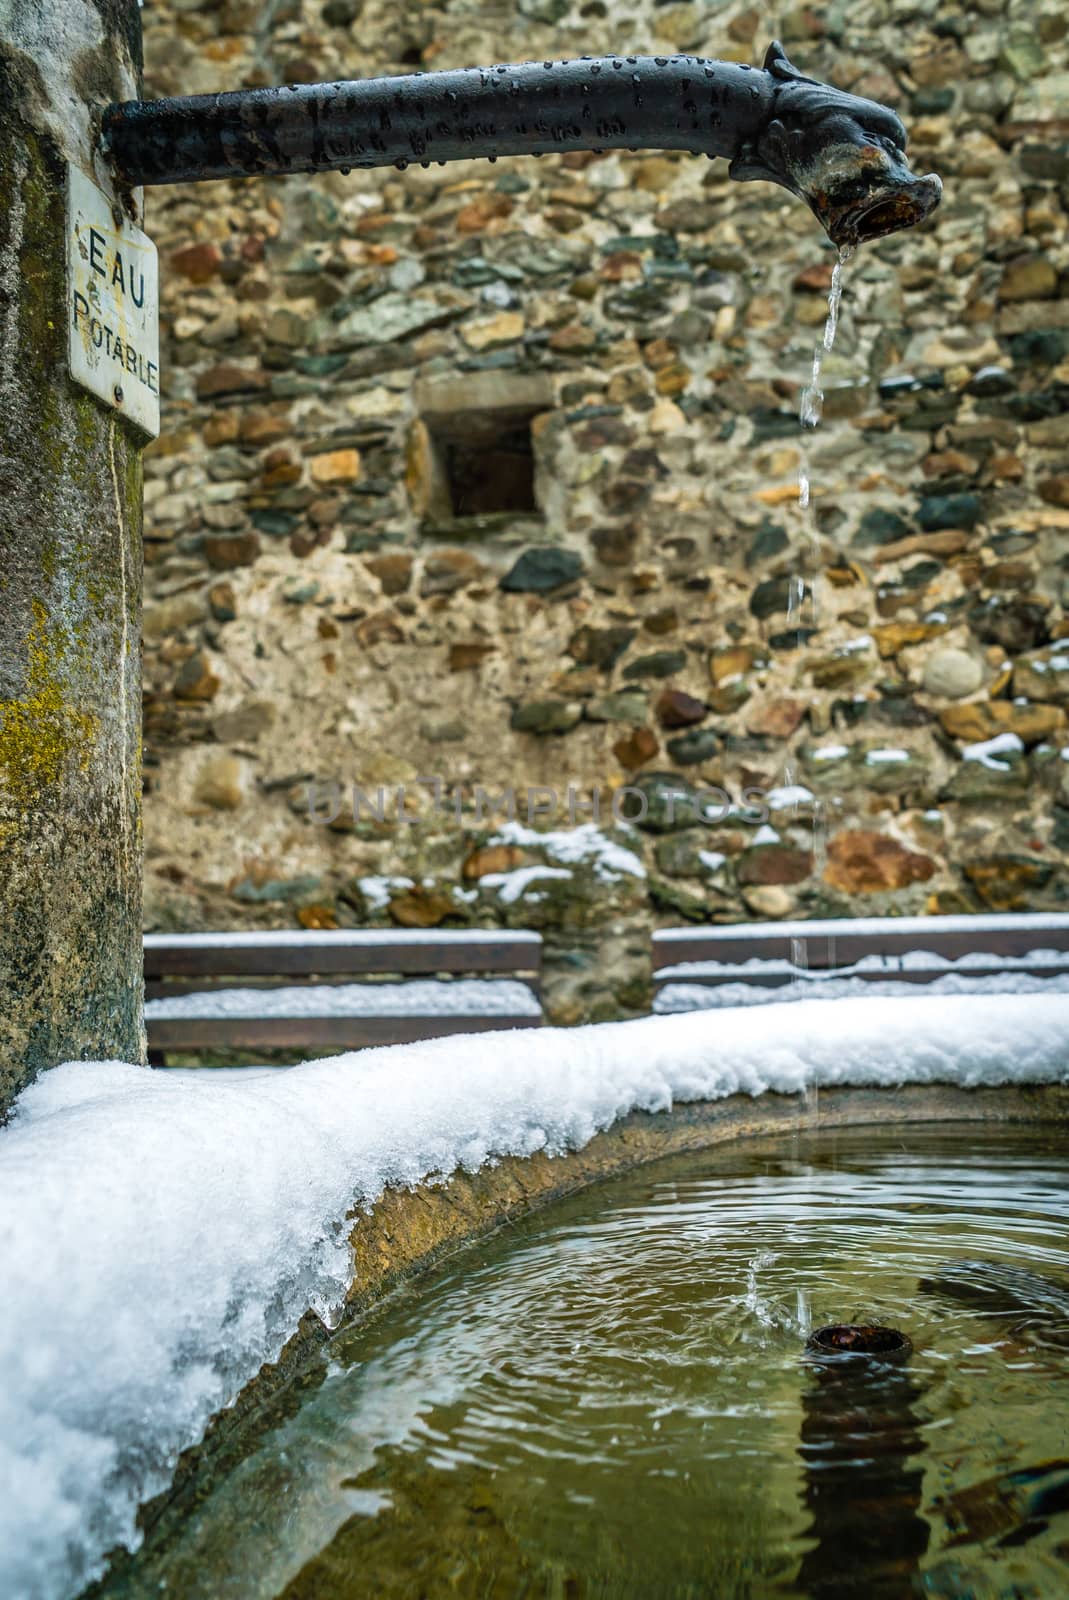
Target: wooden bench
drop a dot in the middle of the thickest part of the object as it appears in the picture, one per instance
(902, 949)
(321, 991)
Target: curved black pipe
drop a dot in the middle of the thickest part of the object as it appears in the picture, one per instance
(842, 154)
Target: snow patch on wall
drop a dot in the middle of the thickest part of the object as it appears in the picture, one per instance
(584, 845)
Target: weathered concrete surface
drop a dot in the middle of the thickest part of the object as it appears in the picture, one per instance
(410, 1230)
(70, 580)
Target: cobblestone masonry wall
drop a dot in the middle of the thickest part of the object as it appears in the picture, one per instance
(489, 474)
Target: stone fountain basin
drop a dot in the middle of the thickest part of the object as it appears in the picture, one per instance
(410, 1230)
(174, 1228)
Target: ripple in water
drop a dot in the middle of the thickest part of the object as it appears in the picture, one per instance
(609, 1399)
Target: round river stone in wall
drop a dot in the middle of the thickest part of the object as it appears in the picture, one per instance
(952, 674)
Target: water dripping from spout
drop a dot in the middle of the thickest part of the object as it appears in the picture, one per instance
(795, 597)
(820, 843)
(810, 415)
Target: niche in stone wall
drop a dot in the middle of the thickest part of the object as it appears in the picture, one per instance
(471, 458)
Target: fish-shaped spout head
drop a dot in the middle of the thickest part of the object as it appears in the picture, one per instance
(844, 155)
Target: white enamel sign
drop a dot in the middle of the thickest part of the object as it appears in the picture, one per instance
(113, 316)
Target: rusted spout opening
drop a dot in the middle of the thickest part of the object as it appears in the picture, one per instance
(860, 1341)
(902, 210)
(887, 209)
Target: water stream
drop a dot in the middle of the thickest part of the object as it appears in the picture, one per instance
(803, 598)
(810, 415)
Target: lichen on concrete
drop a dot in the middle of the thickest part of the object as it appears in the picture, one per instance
(42, 734)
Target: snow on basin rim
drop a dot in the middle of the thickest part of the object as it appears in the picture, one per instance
(160, 1236)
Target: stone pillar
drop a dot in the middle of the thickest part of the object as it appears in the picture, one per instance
(70, 578)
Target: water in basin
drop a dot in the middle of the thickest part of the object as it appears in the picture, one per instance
(609, 1399)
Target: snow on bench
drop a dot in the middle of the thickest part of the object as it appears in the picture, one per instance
(745, 964)
(302, 996)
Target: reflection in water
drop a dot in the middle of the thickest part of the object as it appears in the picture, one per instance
(864, 1482)
(1032, 1307)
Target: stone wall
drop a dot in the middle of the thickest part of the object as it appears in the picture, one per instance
(488, 474)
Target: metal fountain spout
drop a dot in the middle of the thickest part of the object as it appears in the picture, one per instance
(844, 156)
